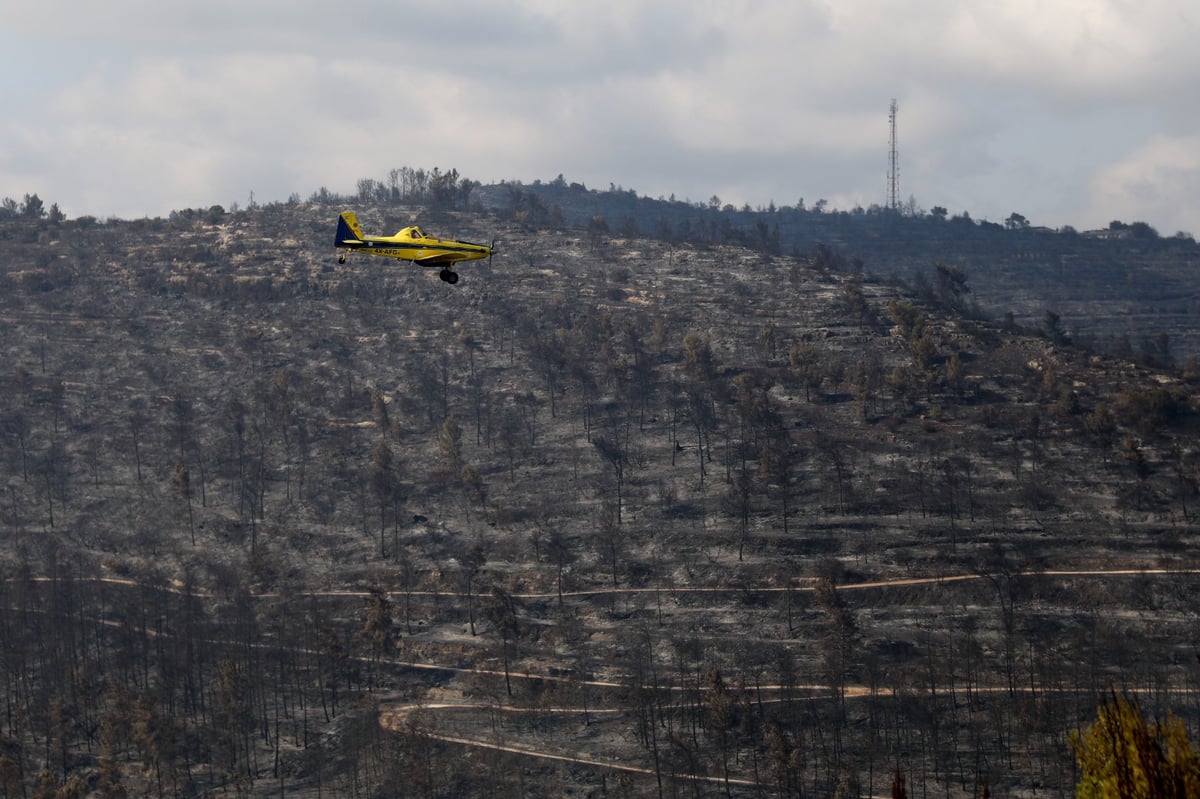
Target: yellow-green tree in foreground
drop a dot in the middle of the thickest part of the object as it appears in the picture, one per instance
(1122, 757)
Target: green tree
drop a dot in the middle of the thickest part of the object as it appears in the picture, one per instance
(854, 300)
(1052, 328)
(951, 285)
(1016, 221)
(33, 207)
(1121, 756)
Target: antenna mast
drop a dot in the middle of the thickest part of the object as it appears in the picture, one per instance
(893, 180)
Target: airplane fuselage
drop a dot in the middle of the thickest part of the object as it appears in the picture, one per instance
(409, 244)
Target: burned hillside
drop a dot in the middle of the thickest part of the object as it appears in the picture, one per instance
(614, 513)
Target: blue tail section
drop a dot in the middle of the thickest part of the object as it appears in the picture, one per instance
(348, 230)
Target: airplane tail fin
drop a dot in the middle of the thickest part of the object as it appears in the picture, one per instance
(348, 229)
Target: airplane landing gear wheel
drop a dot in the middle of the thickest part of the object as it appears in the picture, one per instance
(448, 276)
(342, 258)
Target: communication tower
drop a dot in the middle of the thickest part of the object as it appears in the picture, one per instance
(893, 179)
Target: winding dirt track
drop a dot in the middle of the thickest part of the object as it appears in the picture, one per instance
(397, 717)
(806, 584)
(413, 718)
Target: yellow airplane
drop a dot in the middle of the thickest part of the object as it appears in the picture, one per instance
(409, 244)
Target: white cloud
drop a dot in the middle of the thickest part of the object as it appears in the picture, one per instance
(1003, 106)
(1157, 183)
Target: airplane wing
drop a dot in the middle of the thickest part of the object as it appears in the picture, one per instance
(440, 259)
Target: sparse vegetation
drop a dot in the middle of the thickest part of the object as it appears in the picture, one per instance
(616, 514)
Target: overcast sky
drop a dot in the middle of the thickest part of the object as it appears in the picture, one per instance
(1070, 112)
